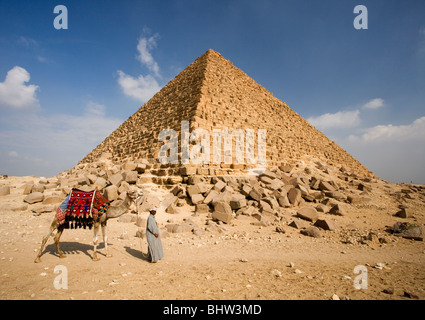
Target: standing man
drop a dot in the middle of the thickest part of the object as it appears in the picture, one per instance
(154, 240)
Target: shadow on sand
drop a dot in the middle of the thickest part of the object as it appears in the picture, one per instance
(69, 248)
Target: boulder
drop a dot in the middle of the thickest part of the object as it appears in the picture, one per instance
(169, 199)
(272, 202)
(245, 190)
(28, 188)
(130, 177)
(52, 199)
(311, 232)
(326, 186)
(34, 197)
(283, 201)
(202, 208)
(225, 196)
(179, 191)
(222, 212)
(338, 210)
(129, 166)
(255, 194)
(322, 208)
(237, 203)
(354, 199)
(308, 213)
(299, 224)
(193, 189)
(294, 196)
(408, 230)
(265, 207)
(220, 185)
(405, 213)
(100, 183)
(171, 208)
(326, 224)
(248, 211)
(337, 195)
(38, 188)
(111, 193)
(210, 196)
(116, 179)
(4, 190)
(197, 198)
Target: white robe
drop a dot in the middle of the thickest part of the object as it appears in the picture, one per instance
(155, 252)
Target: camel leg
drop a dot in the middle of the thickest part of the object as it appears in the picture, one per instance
(95, 240)
(52, 228)
(57, 238)
(105, 240)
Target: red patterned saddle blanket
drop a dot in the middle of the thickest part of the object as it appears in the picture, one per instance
(81, 208)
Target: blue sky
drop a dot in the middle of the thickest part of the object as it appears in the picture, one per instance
(63, 91)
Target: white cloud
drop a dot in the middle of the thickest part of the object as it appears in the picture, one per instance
(55, 142)
(414, 131)
(144, 47)
(341, 119)
(141, 88)
(13, 91)
(374, 104)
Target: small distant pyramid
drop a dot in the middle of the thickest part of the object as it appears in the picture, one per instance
(211, 93)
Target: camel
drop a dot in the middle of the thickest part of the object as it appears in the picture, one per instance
(112, 213)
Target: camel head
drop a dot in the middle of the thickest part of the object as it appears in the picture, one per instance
(134, 195)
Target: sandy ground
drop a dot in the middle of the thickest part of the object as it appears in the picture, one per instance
(243, 262)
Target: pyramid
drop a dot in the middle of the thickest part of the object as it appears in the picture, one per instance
(211, 93)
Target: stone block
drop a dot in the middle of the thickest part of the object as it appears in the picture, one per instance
(52, 199)
(210, 196)
(192, 190)
(202, 208)
(326, 224)
(116, 179)
(34, 197)
(405, 213)
(220, 185)
(326, 186)
(308, 213)
(222, 212)
(338, 210)
(100, 183)
(311, 232)
(4, 190)
(294, 196)
(111, 193)
(197, 198)
(130, 177)
(408, 230)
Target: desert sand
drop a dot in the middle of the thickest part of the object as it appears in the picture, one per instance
(238, 260)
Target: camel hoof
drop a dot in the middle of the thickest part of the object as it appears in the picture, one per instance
(62, 256)
(109, 255)
(37, 260)
(96, 258)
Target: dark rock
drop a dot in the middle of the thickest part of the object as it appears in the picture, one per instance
(408, 230)
(308, 213)
(326, 224)
(311, 232)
